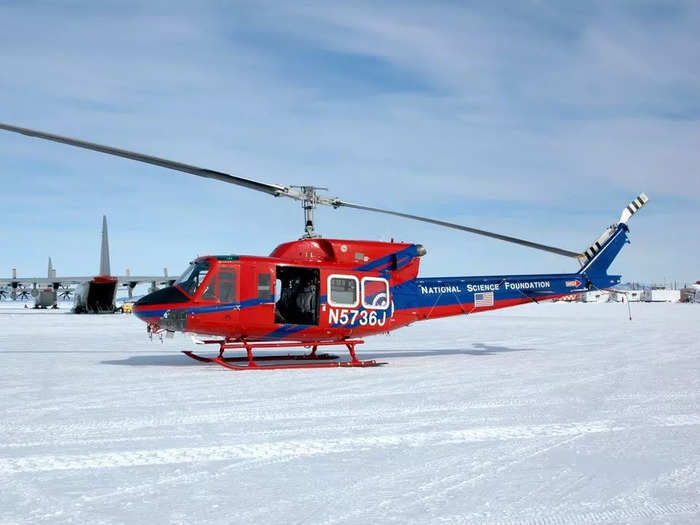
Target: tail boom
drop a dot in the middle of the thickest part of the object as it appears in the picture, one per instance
(430, 298)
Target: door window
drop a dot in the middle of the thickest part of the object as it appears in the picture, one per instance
(264, 286)
(375, 293)
(227, 285)
(343, 291)
(210, 291)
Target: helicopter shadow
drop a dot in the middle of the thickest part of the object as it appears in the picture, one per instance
(177, 359)
(478, 349)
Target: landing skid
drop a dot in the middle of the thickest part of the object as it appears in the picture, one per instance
(312, 359)
(241, 359)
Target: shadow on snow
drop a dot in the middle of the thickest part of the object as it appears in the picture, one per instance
(477, 349)
(177, 359)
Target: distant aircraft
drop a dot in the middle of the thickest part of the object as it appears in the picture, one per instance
(92, 294)
(44, 296)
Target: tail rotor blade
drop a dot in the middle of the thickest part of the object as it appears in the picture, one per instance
(633, 207)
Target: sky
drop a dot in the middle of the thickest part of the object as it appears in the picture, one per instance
(534, 119)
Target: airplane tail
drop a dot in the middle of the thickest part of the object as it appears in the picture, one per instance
(104, 251)
(596, 260)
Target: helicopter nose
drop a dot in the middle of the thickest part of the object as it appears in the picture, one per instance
(151, 307)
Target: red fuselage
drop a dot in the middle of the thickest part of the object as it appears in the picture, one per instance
(330, 290)
(306, 290)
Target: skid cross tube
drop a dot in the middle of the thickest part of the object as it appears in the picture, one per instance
(313, 359)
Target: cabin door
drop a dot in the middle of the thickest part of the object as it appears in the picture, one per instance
(297, 295)
(226, 284)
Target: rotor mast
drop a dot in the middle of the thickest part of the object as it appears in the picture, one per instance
(309, 198)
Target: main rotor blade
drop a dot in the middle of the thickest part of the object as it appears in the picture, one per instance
(272, 189)
(552, 249)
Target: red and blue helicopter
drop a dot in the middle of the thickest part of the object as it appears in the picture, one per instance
(316, 292)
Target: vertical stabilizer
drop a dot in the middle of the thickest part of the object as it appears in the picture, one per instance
(52, 272)
(104, 251)
(599, 256)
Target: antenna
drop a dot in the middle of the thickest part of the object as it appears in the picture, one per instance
(104, 251)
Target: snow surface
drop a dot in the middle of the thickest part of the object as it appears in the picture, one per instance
(550, 413)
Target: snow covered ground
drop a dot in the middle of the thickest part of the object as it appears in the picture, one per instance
(550, 413)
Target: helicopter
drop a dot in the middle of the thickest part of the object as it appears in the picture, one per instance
(316, 292)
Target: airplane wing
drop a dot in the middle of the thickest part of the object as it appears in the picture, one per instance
(63, 281)
(160, 279)
(30, 281)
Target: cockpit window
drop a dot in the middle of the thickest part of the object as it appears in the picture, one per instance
(190, 280)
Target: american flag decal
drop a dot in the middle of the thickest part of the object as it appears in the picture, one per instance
(483, 299)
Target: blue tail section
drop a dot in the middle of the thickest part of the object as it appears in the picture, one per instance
(599, 256)
(595, 270)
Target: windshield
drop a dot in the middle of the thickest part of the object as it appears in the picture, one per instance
(190, 280)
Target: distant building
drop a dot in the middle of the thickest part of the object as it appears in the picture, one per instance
(595, 296)
(691, 294)
(621, 296)
(661, 295)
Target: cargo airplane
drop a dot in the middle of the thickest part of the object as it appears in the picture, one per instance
(94, 294)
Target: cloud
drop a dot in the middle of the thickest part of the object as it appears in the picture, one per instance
(542, 119)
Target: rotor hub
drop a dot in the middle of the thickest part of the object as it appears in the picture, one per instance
(309, 198)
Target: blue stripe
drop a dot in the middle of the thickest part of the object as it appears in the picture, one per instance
(286, 330)
(206, 309)
(403, 257)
